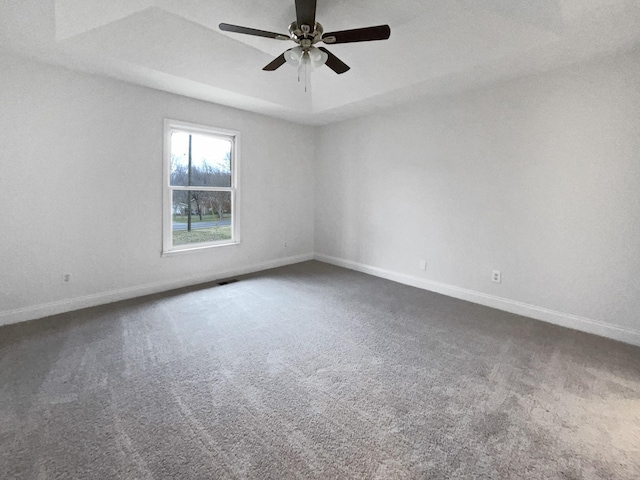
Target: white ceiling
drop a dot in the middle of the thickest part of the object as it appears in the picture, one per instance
(436, 47)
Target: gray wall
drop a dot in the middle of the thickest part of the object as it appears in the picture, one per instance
(81, 191)
(537, 177)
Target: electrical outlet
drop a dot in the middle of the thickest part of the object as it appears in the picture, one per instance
(423, 265)
(66, 278)
(496, 276)
(285, 245)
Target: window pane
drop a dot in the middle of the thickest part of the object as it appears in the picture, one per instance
(210, 160)
(210, 217)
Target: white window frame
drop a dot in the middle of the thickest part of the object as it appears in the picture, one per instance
(167, 237)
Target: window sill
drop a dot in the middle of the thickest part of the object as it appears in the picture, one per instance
(180, 251)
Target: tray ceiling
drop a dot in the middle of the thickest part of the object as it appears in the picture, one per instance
(435, 48)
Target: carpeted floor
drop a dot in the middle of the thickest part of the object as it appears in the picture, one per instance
(312, 371)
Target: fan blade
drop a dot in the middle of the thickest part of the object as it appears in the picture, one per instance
(367, 34)
(252, 31)
(306, 13)
(277, 63)
(334, 63)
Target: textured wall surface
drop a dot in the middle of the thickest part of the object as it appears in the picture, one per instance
(538, 177)
(81, 189)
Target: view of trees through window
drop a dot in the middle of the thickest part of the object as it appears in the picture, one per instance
(201, 182)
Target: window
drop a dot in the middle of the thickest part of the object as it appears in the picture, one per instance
(200, 187)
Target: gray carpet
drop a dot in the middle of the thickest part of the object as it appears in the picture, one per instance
(312, 371)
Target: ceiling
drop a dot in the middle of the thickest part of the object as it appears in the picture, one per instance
(436, 47)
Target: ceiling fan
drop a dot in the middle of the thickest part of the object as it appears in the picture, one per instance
(306, 32)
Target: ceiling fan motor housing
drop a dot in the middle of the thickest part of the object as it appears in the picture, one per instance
(304, 36)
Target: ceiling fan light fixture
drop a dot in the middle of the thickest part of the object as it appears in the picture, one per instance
(312, 57)
(317, 57)
(294, 56)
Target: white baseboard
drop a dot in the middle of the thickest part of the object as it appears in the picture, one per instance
(539, 313)
(67, 305)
